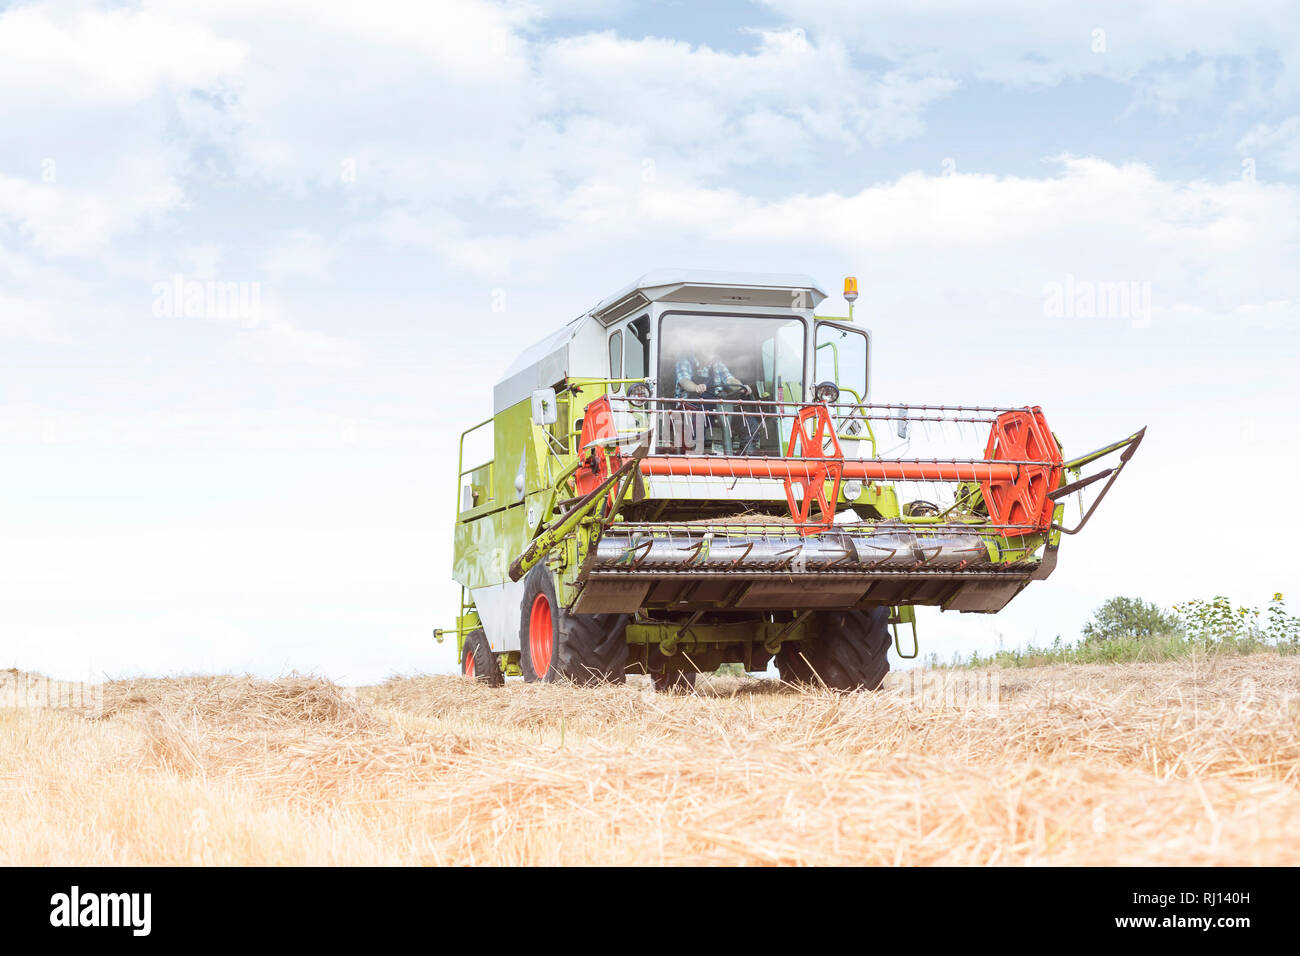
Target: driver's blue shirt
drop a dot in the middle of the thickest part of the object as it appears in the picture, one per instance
(713, 374)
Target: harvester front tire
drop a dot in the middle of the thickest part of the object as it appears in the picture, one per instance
(555, 645)
(848, 651)
(478, 661)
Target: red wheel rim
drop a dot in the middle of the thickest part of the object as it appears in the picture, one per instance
(539, 635)
(469, 663)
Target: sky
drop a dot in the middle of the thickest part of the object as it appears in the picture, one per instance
(402, 196)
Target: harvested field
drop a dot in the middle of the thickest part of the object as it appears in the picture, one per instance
(1194, 761)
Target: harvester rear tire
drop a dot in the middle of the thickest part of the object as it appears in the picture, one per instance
(478, 661)
(849, 650)
(556, 645)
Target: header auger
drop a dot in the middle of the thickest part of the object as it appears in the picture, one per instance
(691, 474)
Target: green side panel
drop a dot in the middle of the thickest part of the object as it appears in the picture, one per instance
(479, 553)
(514, 449)
(491, 535)
(485, 546)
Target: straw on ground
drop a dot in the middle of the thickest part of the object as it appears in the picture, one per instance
(1195, 761)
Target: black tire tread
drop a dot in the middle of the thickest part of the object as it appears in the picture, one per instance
(587, 648)
(848, 651)
(594, 647)
(486, 668)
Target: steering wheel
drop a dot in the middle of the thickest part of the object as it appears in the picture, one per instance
(731, 390)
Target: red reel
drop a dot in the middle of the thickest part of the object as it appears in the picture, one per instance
(1023, 436)
(813, 436)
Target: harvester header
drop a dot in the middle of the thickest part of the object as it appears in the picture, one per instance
(694, 473)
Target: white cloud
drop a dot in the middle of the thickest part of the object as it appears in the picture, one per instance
(1035, 42)
(105, 56)
(456, 102)
(85, 150)
(1167, 90)
(276, 342)
(1128, 201)
(700, 112)
(29, 319)
(298, 252)
(1219, 244)
(60, 221)
(1277, 144)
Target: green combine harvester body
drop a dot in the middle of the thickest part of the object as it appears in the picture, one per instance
(691, 474)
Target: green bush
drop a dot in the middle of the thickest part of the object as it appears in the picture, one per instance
(1130, 629)
(1282, 628)
(1122, 617)
(1217, 624)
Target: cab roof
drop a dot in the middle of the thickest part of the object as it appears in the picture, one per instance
(549, 360)
(707, 287)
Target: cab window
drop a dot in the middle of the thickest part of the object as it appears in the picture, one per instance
(842, 359)
(616, 358)
(636, 348)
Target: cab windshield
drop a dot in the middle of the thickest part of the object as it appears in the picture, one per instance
(719, 353)
(710, 364)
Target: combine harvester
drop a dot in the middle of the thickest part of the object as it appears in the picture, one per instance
(691, 474)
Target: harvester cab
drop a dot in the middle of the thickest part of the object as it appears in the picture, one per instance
(693, 473)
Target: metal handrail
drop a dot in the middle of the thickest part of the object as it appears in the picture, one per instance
(462, 471)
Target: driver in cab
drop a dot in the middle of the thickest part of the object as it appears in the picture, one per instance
(696, 379)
